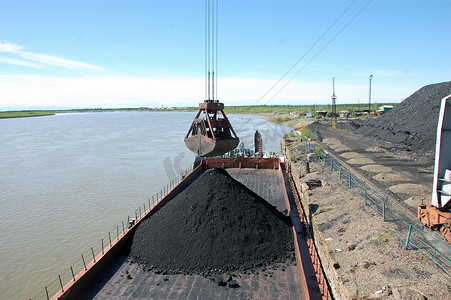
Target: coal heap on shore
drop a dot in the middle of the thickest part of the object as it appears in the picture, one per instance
(216, 225)
(411, 125)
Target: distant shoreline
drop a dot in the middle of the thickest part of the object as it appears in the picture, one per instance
(250, 109)
(24, 114)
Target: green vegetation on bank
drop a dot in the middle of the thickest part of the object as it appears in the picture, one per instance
(286, 109)
(248, 109)
(305, 134)
(22, 114)
(40, 113)
(283, 109)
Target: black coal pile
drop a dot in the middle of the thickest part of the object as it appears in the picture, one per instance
(412, 124)
(216, 225)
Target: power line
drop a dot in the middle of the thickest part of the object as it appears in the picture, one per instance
(321, 50)
(311, 47)
(327, 44)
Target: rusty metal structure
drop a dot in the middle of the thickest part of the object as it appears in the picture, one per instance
(258, 144)
(211, 136)
(437, 214)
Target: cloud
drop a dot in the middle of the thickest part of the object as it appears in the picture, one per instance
(8, 47)
(60, 62)
(19, 62)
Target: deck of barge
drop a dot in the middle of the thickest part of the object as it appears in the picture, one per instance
(275, 282)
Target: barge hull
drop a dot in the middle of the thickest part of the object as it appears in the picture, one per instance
(112, 276)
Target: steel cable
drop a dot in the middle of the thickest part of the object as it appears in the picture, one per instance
(314, 44)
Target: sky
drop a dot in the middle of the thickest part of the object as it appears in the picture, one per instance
(151, 53)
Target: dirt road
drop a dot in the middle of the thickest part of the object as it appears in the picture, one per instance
(397, 172)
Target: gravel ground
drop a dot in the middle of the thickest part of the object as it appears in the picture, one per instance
(362, 255)
(368, 255)
(216, 225)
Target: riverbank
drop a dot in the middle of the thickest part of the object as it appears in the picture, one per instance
(24, 114)
(287, 119)
(284, 111)
(363, 255)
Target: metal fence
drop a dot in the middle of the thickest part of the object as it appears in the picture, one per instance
(89, 256)
(416, 239)
(370, 196)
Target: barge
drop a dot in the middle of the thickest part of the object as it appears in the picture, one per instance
(110, 275)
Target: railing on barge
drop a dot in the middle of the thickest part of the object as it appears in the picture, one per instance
(80, 275)
(92, 258)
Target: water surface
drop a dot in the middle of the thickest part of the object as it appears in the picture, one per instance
(69, 179)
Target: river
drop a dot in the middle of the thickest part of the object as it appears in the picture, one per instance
(69, 179)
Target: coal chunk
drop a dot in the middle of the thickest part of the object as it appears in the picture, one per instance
(220, 281)
(234, 284)
(216, 224)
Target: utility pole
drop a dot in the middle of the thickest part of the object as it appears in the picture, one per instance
(334, 104)
(369, 101)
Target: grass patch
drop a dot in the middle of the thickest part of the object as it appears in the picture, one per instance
(382, 237)
(296, 157)
(319, 152)
(305, 134)
(281, 120)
